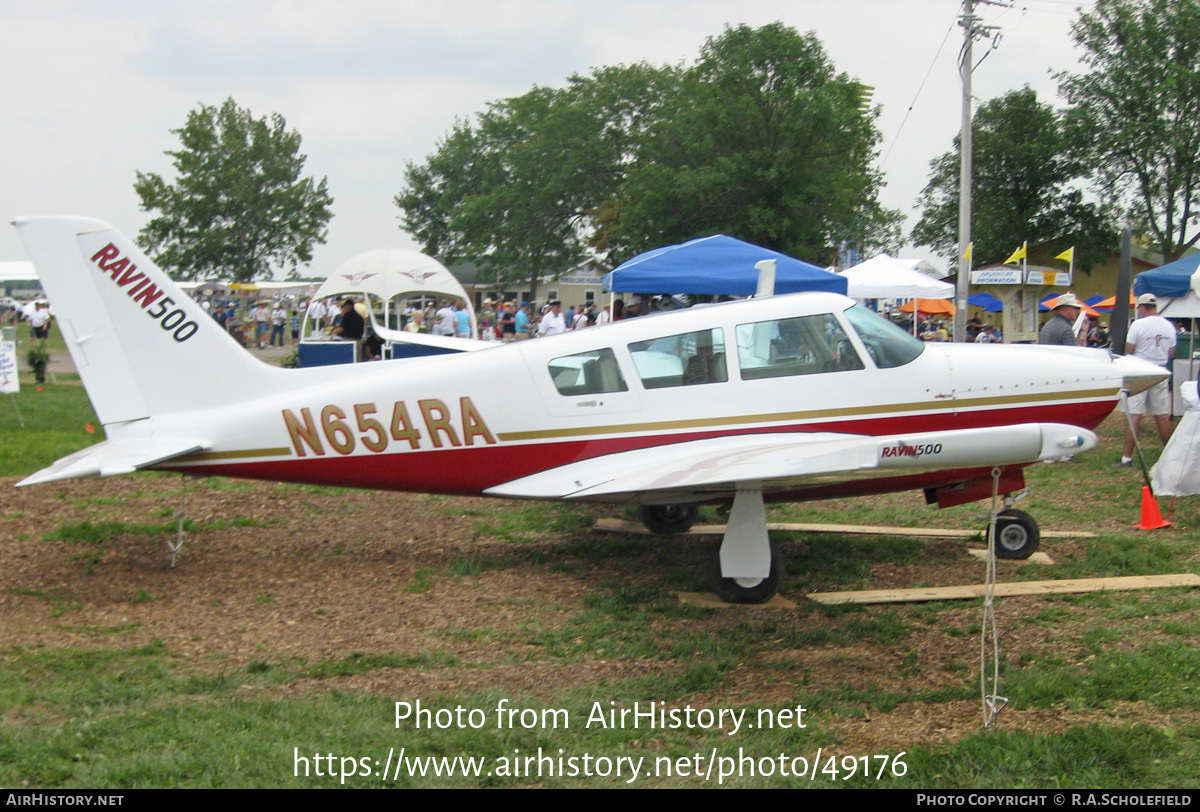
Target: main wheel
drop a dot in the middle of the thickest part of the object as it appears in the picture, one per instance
(1017, 534)
(668, 518)
(749, 590)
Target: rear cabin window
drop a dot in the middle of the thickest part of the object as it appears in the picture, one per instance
(587, 373)
(802, 345)
(681, 360)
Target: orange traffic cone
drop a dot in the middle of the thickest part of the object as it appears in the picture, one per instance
(1151, 518)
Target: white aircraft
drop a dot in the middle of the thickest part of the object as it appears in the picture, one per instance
(796, 397)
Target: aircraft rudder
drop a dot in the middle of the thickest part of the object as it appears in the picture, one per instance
(141, 345)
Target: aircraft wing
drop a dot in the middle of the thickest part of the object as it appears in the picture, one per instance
(110, 458)
(701, 468)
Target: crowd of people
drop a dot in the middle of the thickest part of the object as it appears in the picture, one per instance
(499, 320)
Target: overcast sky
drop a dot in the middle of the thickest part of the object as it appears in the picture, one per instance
(91, 90)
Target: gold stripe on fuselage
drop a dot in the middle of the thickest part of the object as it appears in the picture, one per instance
(205, 456)
(891, 410)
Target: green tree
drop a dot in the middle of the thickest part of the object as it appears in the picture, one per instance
(239, 206)
(763, 140)
(515, 190)
(1025, 166)
(1138, 107)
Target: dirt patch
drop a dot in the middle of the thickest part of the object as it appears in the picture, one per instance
(286, 574)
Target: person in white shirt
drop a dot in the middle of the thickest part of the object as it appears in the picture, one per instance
(1151, 338)
(552, 323)
(39, 322)
(278, 320)
(446, 322)
(262, 323)
(316, 315)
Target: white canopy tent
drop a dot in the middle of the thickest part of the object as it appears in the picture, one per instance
(884, 277)
(17, 272)
(1177, 472)
(394, 275)
(1186, 307)
(294, 287)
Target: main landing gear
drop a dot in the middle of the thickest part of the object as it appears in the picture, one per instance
(1017, 534)
(748, 568)
(664, 519)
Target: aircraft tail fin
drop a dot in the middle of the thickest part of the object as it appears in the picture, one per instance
(141, 345)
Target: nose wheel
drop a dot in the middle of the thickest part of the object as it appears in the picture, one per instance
(1017, 534)
(748, 567)
(749, 590)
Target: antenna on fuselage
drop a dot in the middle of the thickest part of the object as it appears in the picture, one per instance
(766, 278)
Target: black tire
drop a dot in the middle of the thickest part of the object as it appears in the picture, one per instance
(1017, 535)
(668, 518)
(730, 591)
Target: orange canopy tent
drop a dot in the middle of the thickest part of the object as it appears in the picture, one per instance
(930, 306)
(1053, 303)
(1111, 302)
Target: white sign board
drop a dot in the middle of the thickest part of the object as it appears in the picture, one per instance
(996, 277)
(1035, 278)
(8, 368)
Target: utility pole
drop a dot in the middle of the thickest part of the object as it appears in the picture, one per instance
(972, 29)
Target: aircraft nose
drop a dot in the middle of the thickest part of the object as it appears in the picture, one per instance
(1139, 375)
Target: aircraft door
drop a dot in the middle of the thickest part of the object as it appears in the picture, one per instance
(580, 384)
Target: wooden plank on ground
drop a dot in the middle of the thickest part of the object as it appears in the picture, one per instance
(981, 553)
(622, 526)
(1007, 590)
(711, 601)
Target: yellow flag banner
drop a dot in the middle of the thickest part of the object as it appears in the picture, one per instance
(968, 252)
(1068, 255)
(1017, 255)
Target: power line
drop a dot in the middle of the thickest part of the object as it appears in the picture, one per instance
(916, 96)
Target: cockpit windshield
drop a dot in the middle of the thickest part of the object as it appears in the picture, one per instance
(887, 344)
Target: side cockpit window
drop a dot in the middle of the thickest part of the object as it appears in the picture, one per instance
(802, 345)
(587, 373)
(681, 360)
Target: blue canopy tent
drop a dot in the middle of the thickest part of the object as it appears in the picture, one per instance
(1176, 284)
(987, 301)
(716, 265)
(1172, 280)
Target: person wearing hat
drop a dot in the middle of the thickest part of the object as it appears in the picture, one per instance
(1151, 338)
(521, 322)
(352, 326)
(1061, 327)
(553, 322)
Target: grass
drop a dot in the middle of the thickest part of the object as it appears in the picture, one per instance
(115, 713)
(55, 425)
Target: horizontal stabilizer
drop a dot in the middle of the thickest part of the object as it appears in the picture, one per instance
(111, 458)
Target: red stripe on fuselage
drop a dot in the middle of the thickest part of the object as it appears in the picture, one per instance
(471, 471)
